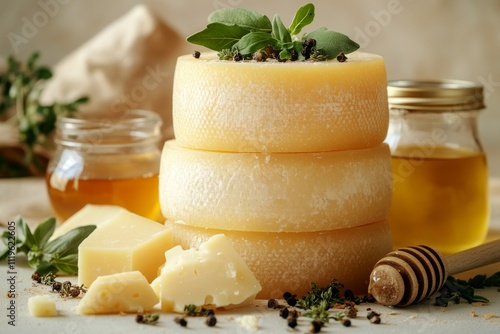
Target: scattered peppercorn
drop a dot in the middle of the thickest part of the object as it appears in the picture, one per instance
(286, 295)
(196, 54)
(272, 303)
(56, 286)
(292, 322)
(139, 318)
(74, 291)
(181, 321)
(209, 312)
(369, 299)
(309, 42)
(238, 57)
(260, 56)
(211, 320)
(372, 314)
(294, 55)
(349, 295)
(351, 312)
(147, 318)
(36, 277)
(341, 57)
(315, 326)
(284, 312)
(345, 322)
(375, 320)
(293, 313)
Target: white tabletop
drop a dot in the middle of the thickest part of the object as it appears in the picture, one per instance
(28, 198)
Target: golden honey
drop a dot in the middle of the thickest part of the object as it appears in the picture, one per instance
(138, 195)
(440, 198)
(106, 161)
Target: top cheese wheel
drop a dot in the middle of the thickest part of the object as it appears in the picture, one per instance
(271, 106)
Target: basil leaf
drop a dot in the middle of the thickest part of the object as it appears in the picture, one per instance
(280, 32)
(25, 238)
(303, 17)
(253, 42)
(44, 231)
(67, 264)
(243, 18)
(218, 36)
(331, 43)
(69, 242)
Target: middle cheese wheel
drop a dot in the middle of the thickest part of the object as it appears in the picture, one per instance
(288, 192)
(271, 106)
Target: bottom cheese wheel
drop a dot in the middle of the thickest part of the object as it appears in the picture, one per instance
(290, 261)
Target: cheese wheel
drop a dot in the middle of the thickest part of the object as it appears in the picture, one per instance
(292, 261)
(286, 192)
(280, 107)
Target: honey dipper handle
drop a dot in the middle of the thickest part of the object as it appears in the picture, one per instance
(474, 258)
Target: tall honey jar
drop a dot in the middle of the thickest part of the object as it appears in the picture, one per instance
(106, 161)
(440, 174)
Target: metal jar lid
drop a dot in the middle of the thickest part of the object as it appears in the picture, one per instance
(435, 95)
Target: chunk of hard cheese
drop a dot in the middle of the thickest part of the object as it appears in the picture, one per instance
(126, 242)
(288, 192)
(280, 107)
(292, 261)
(90, 214)
(213, 275)
(122, 292)
(42, 306)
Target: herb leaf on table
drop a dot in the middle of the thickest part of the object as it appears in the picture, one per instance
(60, 254)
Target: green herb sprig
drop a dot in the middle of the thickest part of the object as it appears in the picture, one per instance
(60, 254)
(20, 89)
(454, 290)
(241, 34)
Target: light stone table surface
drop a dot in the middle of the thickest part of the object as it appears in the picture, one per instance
(28, 198)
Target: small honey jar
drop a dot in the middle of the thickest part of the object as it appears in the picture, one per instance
(440, 175)
(106, 161)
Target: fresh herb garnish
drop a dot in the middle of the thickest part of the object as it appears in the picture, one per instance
(454, 289)
(20, 89)
(60, 254)
(242, 33)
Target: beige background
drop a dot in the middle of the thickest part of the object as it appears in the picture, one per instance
(418, 39)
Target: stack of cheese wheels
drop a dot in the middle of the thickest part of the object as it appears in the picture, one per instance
(288, 161)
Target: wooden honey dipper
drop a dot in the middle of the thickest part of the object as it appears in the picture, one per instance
(409, 275)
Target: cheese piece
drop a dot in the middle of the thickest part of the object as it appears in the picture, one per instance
(126, 242)
(42, 306)
(280, 107)
(156, 286)
(213, 275)
(291, 261)
(277, 192)
(127, 292)
(90, 214)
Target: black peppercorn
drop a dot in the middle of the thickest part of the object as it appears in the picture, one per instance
(181, 321)
(375, 320)
(56, 286)
(294, 55)
(349, 295)
(292, 322)
(372, 314)
(211, 320)
(74, 291)
(209, 312)
(315, 326)
(292, 301)
(139, 318)
(238, 57)
(36, 277)
(341, 58)
(346, 322)
(196, 54)
(284, 312)
(272, 303)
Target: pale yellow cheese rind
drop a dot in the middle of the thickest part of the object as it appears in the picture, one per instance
(127, 292)
(286, 192)
(127, 242)
(280, 107)
(213, 274)
(90, 214)
(292, 261)
(42, 306)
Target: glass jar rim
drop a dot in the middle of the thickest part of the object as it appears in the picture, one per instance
(435, 95)
(134, 126)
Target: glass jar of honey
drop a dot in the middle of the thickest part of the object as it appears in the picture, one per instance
(440, 175)
(106, 161)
